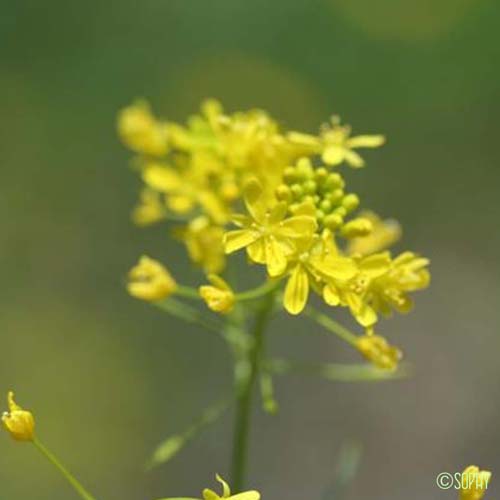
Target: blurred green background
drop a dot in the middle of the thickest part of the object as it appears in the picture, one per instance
(109, 377)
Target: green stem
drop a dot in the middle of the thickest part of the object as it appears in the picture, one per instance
(245, 395)
(69, 477)
(190, 314)
(257, 293)
(331, 325)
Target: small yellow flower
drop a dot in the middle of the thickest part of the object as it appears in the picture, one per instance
(315, 260)
(407, 273)
(267, 235)
(474, 483)
(226, 493)
(18, 422)
(219, 297)
(150, 281)
(335, 144)
(377, 350)
(141, 132)
(355, 292)
(384, 234)
(203, 241)
(149, 210)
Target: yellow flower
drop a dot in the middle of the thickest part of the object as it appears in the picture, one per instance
(355, 292)
(18, 422)
(141, 132)
(203, 241)
(384, 234)
(267, 235)
(226, 493)
(377, 350)
(185, 189)
(474, 483)
(150, 281)
(407, 273)
(335, 144)
(315, 260)
(219, 297)
(150, 208)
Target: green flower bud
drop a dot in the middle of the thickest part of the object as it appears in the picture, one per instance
(310, 186)
(320, 175)
(333, 221)
(284, 193)
(326, 206)
(290, 175)
(357, 227)
(297, 190)
(350, 202)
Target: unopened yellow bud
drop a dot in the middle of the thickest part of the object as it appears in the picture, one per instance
(219, 296)
(18, 422)
(357, 227)
(377, 350)
(150, 281)
(474, 483)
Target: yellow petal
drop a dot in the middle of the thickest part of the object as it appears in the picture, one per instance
(331, 295)
(278, 213)
(161, 178)
(376, 265)
(180, 204)
(275, 257)
(210, 495)
(247, 495)
(333, 155)
(296, 291)
(340, 268)
(353, 159)
(252, 194)
(257, 251)
(303, 139)
(366, 141)
(299, 226)
(238, 239)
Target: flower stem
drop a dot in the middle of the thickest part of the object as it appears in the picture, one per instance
(331, 325)
(245, 395)
(82, 492)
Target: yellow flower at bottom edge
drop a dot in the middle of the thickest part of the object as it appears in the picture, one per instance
(226, 493)
(377, 350)
(18, 422)
(150, 281)
(474, 483)
(219, 297)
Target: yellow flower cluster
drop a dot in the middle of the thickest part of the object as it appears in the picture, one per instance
(284, 192)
